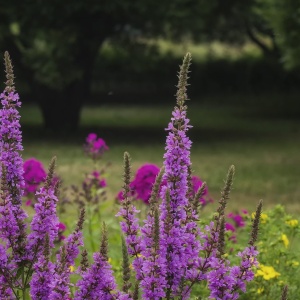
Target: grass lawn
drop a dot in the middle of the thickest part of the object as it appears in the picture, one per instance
(261, 142)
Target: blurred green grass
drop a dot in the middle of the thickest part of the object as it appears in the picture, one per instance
(262, 141)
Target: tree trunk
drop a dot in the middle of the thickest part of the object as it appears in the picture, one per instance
(61, 108)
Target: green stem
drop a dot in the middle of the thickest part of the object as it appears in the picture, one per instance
(90, 227)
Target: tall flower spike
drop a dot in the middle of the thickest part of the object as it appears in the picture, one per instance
(198, 195)
(5, 275)
(153, 200)
(45, 221)
(50, 175)
(284, 295)
(130, 225)
(182, 80)
(179, 243)
(43, 274)
(60, 286)
(84, 262)
(104, 242)
(11, 138)
(255, 224)
(125, 267)
(226, 191)
(153, 282)
(221, 237)
(10, 157)
(98, 281)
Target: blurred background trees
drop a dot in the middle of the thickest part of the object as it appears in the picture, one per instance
(68, 53)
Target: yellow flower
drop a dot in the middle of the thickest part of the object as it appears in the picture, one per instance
(285, 240)
(292, 223)
(267, 272)
(281, 282)
(293, 263)
(109, 260)
(72, 268)
(260, 290)
(263, 217)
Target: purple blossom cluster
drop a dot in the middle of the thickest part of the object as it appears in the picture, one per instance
(170, 252)
(95, 147)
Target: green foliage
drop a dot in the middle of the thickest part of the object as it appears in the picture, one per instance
(278, 246)
(283, 16)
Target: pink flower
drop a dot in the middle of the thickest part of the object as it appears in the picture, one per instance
(28, 202)
(237, 219)
(91, 137)
(95, 147)
(229, 227)
(61, 226)
(34, 174)
(142, 183)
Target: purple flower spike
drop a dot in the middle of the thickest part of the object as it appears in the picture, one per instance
(12, 165)
(97, 282)
(178, 243)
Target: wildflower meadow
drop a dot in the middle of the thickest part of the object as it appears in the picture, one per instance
(157, 243)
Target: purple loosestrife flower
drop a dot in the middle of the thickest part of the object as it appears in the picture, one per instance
(130, 225)
(97, 282)
(10, 158)
(60, 285)
(9, 228)
(178, 240)
(11, 137)
(5, 290)
(45, 221)
(153, 282)
(42, 275)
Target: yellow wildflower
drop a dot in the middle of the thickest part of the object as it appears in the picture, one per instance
(293, 263)
(281, 282)
(285, 240)
(267, 272)
(72, 268)
(109, 260)
(263, 217)
(292, 223)
(260, 290)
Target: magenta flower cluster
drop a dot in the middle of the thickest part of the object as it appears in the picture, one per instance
(34, 175)
(142, 184)
(95, 147)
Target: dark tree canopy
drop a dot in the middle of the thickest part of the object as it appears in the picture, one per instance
(55, 43)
